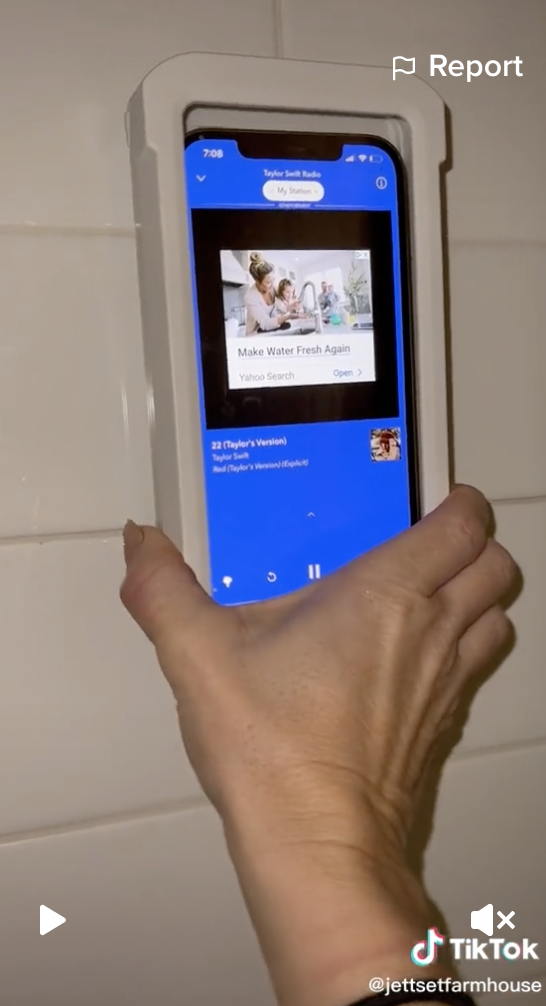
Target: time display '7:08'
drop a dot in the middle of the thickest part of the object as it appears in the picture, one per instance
(212, 153)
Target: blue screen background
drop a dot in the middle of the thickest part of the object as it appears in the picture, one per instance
(325, 501)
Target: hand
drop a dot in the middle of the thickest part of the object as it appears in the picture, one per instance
(310, 721)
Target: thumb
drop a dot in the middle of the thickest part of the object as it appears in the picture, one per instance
(160, 591)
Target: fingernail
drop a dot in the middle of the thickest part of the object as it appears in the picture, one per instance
(133, 536)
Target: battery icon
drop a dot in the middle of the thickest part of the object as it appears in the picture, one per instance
(375, 158)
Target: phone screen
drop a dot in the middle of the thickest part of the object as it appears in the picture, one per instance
(302, 316)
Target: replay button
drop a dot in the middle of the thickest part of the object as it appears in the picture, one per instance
(293, 192)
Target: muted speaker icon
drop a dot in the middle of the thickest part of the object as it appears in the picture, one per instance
(483, 920)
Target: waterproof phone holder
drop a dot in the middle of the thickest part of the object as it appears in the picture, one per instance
(278, 95)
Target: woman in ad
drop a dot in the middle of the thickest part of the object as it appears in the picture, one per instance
(262, 307)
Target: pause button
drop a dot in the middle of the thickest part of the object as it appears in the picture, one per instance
(313, 571)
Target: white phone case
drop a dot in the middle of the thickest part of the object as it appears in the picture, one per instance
(204, 90)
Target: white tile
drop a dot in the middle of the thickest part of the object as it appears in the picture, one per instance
(70, 69)
(74, 435)
(87, 724)
(509, 707)
(153, 915)
(488, 847)
(496, 185)
(499, 363)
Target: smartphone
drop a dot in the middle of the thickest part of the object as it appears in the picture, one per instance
(302, 303)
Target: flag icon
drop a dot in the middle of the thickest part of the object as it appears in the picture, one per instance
(400, 69)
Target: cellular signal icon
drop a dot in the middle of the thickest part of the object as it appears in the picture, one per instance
(351, 158)
(362, 157)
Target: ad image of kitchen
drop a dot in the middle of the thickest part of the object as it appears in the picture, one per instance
(297, 317)
(296, 292)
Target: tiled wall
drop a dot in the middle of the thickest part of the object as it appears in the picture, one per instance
(100, 814)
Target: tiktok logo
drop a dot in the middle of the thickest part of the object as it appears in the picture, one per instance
(425, 953)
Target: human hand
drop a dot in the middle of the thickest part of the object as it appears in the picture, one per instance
(310, 721)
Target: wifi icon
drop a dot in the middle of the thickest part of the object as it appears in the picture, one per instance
(362, 157)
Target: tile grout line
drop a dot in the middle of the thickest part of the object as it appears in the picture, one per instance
(111, 820)
(201, 803)
(115, 532)
(278, 25)
(51, 539)
(496, 749)
(506, 240)
(30, 228)
(514, 500)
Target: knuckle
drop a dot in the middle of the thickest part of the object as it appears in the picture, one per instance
(126, 592)
(447, 618)
(142, 588)
(468, 533)
(501, 626)
(507, 567)
(471, 501)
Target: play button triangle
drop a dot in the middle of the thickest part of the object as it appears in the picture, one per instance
(49, 920)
